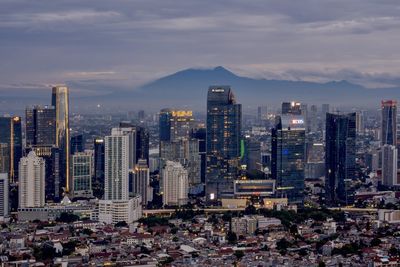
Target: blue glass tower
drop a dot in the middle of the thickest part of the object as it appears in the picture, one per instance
(223, 141)
(288, 157)
(340, 155)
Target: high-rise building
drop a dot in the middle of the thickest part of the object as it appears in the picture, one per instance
(201, 134)
(313, 119)
(181, 124)
(175, 184)
(141, 182)
(4, 205)
(340, 155)
(60, 101)
(31, 181)
(252, 154)
(4, 158)
(82, 172)
(223, 141)
(262, 114)
(77, 144)
(51, 156)
(117, 206)
(11, 134)
(139, 142)
(389, 165)
(360, 122)
(288, 157)
(389, 122)
(293, 108)
(325, 108)
(116, 166)
(98, 183)
(165, 125)
(186, 152)
(40, 126)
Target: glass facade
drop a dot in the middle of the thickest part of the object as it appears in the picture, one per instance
(60, 100)
(340, 155)
(82, 166)
(389, 122)
(11, 134)
(288, 157)
(223, 141)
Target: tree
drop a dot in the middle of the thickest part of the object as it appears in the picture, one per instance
(175, 239)
(282, 244)
(67, 217)
(239, 254)
(303, 252)
(375, 242)
(393, 251)
(250, 209)
(121, 224)
(321, 264)
(231, 237)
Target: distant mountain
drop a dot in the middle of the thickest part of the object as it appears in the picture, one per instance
(190, 87)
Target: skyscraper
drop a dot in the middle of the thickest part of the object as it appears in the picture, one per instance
(389, 165)
(389, 122)
(293, 108)
(11, 134)
(116, 166)
(50, 154)
(340, 155)
(60, 101)
(4, 158)
(98, 185)
(117, 206)
(4, 205)
(201, 134)
(313, 119)
(175, 184)
(82, 172)
(141, 182)
(32, 181)
(40, 126)
(77, 144)
(165, 125)
(223, 141)
(252, 154)
(262, 114)
(139, 142)
(288, 157)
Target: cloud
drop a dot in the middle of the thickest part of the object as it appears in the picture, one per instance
(122, 44)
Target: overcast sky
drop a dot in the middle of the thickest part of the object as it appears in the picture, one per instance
(122, 44)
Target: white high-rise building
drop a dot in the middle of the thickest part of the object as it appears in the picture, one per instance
(175, 184)
(31, 181)
(116, 166)
(4, 206)
(141, 182)
(389, 165)
(117, 206)
(82, 172)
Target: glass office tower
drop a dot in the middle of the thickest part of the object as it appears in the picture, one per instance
(60, 101)
(11, 134)
(288, 157)
(223, 141)
(389, 122)
(340, 156)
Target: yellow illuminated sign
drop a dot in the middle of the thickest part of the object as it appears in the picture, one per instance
(182, 113)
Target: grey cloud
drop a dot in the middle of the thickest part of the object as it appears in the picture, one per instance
(122, 44)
